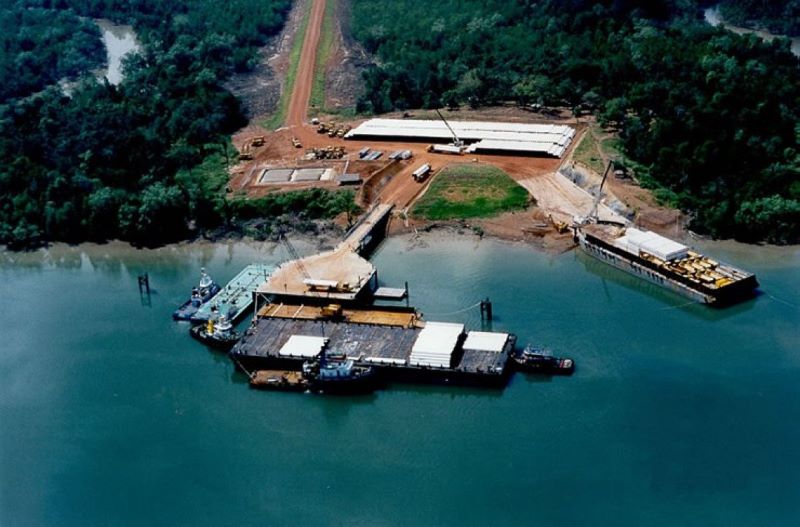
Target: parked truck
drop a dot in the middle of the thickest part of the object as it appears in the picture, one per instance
(421, 173)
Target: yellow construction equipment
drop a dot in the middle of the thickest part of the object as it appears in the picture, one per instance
(257, 141)
(331, 311)
(560, 226)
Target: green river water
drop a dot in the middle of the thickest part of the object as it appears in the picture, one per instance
(677, 414)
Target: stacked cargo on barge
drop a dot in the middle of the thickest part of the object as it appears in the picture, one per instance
(393, 341)
(666, 263)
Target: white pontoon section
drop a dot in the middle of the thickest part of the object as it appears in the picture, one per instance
(485, 341)
(435, 344)
(635, 241)
(303, 346)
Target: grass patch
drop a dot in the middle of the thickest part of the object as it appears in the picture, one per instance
(277, 119)
(588, 151)
(470, 191)
(317, 101)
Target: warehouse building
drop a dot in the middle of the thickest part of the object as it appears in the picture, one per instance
(481, 137)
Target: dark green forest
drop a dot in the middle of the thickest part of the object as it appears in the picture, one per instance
(708, 118)
(779, 16)
(142, 161)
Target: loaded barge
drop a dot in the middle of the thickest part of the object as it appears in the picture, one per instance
(394, 342)
(666, 263)
(660, 260)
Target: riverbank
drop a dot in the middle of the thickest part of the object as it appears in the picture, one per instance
(714, 17)
(415, 236)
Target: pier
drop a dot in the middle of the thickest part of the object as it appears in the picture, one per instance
(340, 275)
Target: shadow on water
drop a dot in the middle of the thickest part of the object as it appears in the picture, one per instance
(671, 300)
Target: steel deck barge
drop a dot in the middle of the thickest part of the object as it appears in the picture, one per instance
(439, 353)
(234, 299)
(666, 263)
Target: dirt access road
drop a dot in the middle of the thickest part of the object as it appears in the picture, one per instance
(298, 104)
(554, 193)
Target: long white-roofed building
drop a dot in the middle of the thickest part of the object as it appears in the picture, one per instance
(481, 137)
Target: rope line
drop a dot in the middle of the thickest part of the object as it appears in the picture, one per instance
(473, 306)
(783, 301)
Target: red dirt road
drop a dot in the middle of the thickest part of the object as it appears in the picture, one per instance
(298, 104)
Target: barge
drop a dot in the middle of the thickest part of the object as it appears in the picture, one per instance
(395, 344)
(233, 300)
(666, 263)
(659, 260)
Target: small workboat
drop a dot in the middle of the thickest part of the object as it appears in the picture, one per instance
(201, 294)
(536, 360)
(279, 380)
(217, 333)
(339, 375)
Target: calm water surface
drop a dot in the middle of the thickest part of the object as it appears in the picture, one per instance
(119, 40)
(677, 415)
(713, 17)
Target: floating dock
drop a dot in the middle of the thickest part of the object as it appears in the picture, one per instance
(340, 275)
(234, 299)
(394, 341)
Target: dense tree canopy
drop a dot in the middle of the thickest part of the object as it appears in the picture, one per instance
(39, 47)
(779, 16)
(708, 115)
(121, 161)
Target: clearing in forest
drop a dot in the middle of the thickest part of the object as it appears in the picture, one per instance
(470, 191)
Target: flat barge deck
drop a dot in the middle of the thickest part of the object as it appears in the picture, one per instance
(439, 353)
(236, 297)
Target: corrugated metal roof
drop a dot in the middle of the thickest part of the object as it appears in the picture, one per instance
(485, 341)
(518, 137)
(655, 244)
(303, 346)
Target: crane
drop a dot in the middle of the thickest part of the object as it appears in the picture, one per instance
(293, 253)
(456, 141)
(593, 213)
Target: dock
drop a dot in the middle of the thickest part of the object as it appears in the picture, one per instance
(236, 297)
(340, 275)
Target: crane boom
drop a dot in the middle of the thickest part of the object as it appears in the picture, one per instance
(456, 141)
(593, 213)
(293, 253)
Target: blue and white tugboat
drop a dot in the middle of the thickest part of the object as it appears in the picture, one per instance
(201, 294)
(535, 360)
(217, 333)
(339, 375)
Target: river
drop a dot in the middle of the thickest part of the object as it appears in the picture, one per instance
(677, 414)
(713, 17)
(119, 41)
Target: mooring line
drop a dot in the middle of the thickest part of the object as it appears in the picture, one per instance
(689, 303)
(473, 306)
(783, 301)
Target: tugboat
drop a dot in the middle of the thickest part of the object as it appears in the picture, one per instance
(535, 360)
(201, 294)
(339, 375)
(219, 334)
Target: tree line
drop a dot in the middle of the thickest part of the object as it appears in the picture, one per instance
(707, 117)
(778, 16)
(145, 160)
